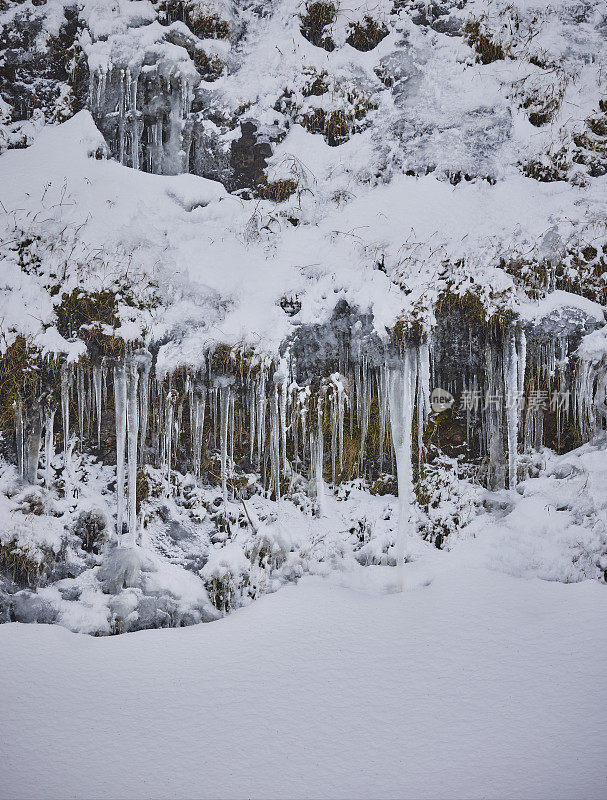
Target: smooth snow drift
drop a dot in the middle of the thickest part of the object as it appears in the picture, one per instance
(470, 683)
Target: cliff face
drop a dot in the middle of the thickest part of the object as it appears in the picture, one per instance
(241, 245)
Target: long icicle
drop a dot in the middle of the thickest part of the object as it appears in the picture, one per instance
(97, 389)
(132, 416)
(511, 384)
(401, 392)
(65, 404)
(49, 420)
(224, 402)
(32, 446)
(120, 409)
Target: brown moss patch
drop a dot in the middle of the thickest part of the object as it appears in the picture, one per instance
(209, 26)
(318, 17)
(205, 26)
(22, 569)
(277, 191)
(210, 67)
(78, 308)
(90, 316)
(487, 50)
(335, 126)
(544, 172)
(317, 84)
(472, 310)
(20, 375)
(366, 35)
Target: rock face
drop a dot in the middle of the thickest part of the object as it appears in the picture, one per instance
(173, 86)
(342, 210)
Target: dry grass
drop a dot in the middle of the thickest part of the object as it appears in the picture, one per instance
(209, 26)
(317, 18)
(210, 67)
(317, 84)
(20, 375)
(487, 50)
(205, 26)
(366, 35)
(88, 315)
(23, 570)
(335, 126)
(277, 191)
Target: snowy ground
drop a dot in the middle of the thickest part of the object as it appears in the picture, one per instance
(470, 683)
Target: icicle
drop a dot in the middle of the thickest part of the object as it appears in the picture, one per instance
(423, 391)
(341, 410)
(590, 397)
(65, 404)
(600, 399)
(231, 430)
(104, 382)
(69, 473)
(121, 131)
(401, 392)
(168, 436)
(382, 399)
(215, 415)
(49, 420)
(120, 401)
(275, 444)
(134, 124)
(365, 408)
(511, 383)
(32, 446)
(521, 350)
(156, 417)
(294, 423)
(19, 437)
(337, 410)
(177, 423)
(132, 414)
(562, 388)
(81, 402)
(303, 403)
(423, 396)
(317, 460)
(333, 416)
(144, 402)
(283, 424)
(521, 369)
(252, 391)
(261, 415)
(493, 419)
(358, 391)
(224, 401)
(199, 410)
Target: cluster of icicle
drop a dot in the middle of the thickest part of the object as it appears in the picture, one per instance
(274, 410)
(287, 429)
(153, 138)
(591, 395)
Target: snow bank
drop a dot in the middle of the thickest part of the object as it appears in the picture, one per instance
(221, 278)
(471, 684)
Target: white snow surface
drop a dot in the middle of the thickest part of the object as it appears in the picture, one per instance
(223, 264)
(470, 683)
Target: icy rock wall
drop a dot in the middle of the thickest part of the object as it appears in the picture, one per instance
(363, 412)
